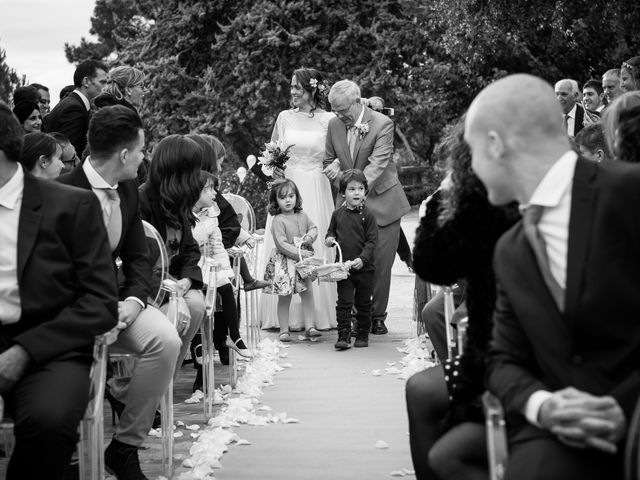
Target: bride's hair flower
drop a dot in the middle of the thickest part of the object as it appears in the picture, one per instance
(313, 83)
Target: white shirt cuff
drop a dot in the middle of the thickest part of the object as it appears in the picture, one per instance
(137, 300)
(532, 408)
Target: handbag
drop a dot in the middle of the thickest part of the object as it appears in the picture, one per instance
(333, 272)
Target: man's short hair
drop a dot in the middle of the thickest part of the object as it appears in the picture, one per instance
(89, 69)
(575, 89)
(352, 175)
(614, 72)
(111, 129)
(592, 138)
(345, 89)
(11, 134)
(595, 84)
(39, 86)
(26, 94)
(61, 138)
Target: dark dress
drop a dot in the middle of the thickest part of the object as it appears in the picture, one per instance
(462, 249)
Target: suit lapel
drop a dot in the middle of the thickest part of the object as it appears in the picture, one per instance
(124, 214)
(29, 222)
(583, 196)
(343, 144)
(366, 117)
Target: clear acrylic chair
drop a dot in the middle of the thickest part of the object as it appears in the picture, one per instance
(208, 350)
(497, 450)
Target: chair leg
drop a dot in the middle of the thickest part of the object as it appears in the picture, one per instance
(166, 411)
(208, 375)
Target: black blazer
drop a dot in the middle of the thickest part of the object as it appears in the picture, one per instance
(65, 272)
(594, 345)
(132, 248)
(185, 264)
(579, 121)
(71, 118)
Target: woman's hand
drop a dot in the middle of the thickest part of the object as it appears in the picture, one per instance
(278, 173)
(183, 317)
(184, 285)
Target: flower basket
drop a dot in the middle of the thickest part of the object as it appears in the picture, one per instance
(333, 272)
(307, 267)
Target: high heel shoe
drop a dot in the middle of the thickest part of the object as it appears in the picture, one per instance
(117, 407)
(239, 346)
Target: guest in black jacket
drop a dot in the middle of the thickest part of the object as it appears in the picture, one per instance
(455, 241)
(166, 202)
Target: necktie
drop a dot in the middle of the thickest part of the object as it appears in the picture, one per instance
(530, 220)
(353, 133)
(112, 217)
(566, 123)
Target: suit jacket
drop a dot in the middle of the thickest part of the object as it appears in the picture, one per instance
(578, 124)
(374, 156)
(594, 345)
(132, 248)
(185, 263)
(65, 273)
(71, 118)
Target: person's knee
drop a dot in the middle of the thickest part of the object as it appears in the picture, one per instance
(52, 421)
(425, 394)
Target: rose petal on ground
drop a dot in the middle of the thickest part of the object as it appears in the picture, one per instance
(381, 444)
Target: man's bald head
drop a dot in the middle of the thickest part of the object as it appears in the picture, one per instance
(519, 107)
(515, 131)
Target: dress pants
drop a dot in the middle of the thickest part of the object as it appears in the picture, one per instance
(385, 254)
(47, 405)
(156, 342)
(355, 291)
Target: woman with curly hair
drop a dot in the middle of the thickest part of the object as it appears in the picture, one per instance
(630, 75)
(304, 128)
(455, 242)
(125, 86)
(167, 199)
(612, 122)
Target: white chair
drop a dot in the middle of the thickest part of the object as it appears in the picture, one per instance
(208, 351)
(497, 450)
(247, 218)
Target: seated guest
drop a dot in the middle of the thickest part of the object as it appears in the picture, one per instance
(41, 155)
(166, 202)
(69, 156)
(125, 86)
(611, 85)
(116, 140)
(593, 96)
(611, 116)
(568, 95)
(591, 143)
(29, 116)
(568, 386)
(44, 99)
(56, 295)
(630, 75)
(455, 240)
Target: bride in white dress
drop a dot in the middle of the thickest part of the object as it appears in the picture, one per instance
(305, 127)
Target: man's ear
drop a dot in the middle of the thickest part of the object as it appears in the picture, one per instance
(495, 145)
(123, 155)
(599, 155)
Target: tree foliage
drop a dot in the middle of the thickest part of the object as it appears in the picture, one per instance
(224, 66)
(9, 79)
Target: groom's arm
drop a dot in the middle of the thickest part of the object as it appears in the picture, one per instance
(331, 163)
(381, 154)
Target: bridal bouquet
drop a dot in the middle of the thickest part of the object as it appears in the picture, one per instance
(275, 155)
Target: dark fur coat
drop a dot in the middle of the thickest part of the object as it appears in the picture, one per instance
(461, 249)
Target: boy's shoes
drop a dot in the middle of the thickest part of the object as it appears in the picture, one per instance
(122, 460)
(362, 340)
(378, 327)
(255, 284)
(344, 340)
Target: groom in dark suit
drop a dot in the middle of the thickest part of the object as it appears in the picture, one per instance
(57, 292)
(362, 138)
(566, 341)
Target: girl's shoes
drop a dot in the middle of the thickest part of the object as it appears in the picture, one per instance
(313, 332)
(284, 337)
(239, 347)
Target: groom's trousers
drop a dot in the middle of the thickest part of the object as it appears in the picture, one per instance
(385, 255)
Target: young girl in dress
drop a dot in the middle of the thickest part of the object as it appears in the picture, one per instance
(290, 228)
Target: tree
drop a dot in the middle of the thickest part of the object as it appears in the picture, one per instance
(9, 79)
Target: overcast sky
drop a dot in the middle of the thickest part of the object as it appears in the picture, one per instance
(33, 34)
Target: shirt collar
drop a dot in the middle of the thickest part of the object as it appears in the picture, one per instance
(555, 183)
(85, 100)
(11, 191)
(95, 180)
(359, 121)
(572, 112)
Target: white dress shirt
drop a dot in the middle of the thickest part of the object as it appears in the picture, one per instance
(10, 203)
(554, 193)
(571, 120)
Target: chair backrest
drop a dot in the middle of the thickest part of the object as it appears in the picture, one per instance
(159, 263)
(243, 208)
